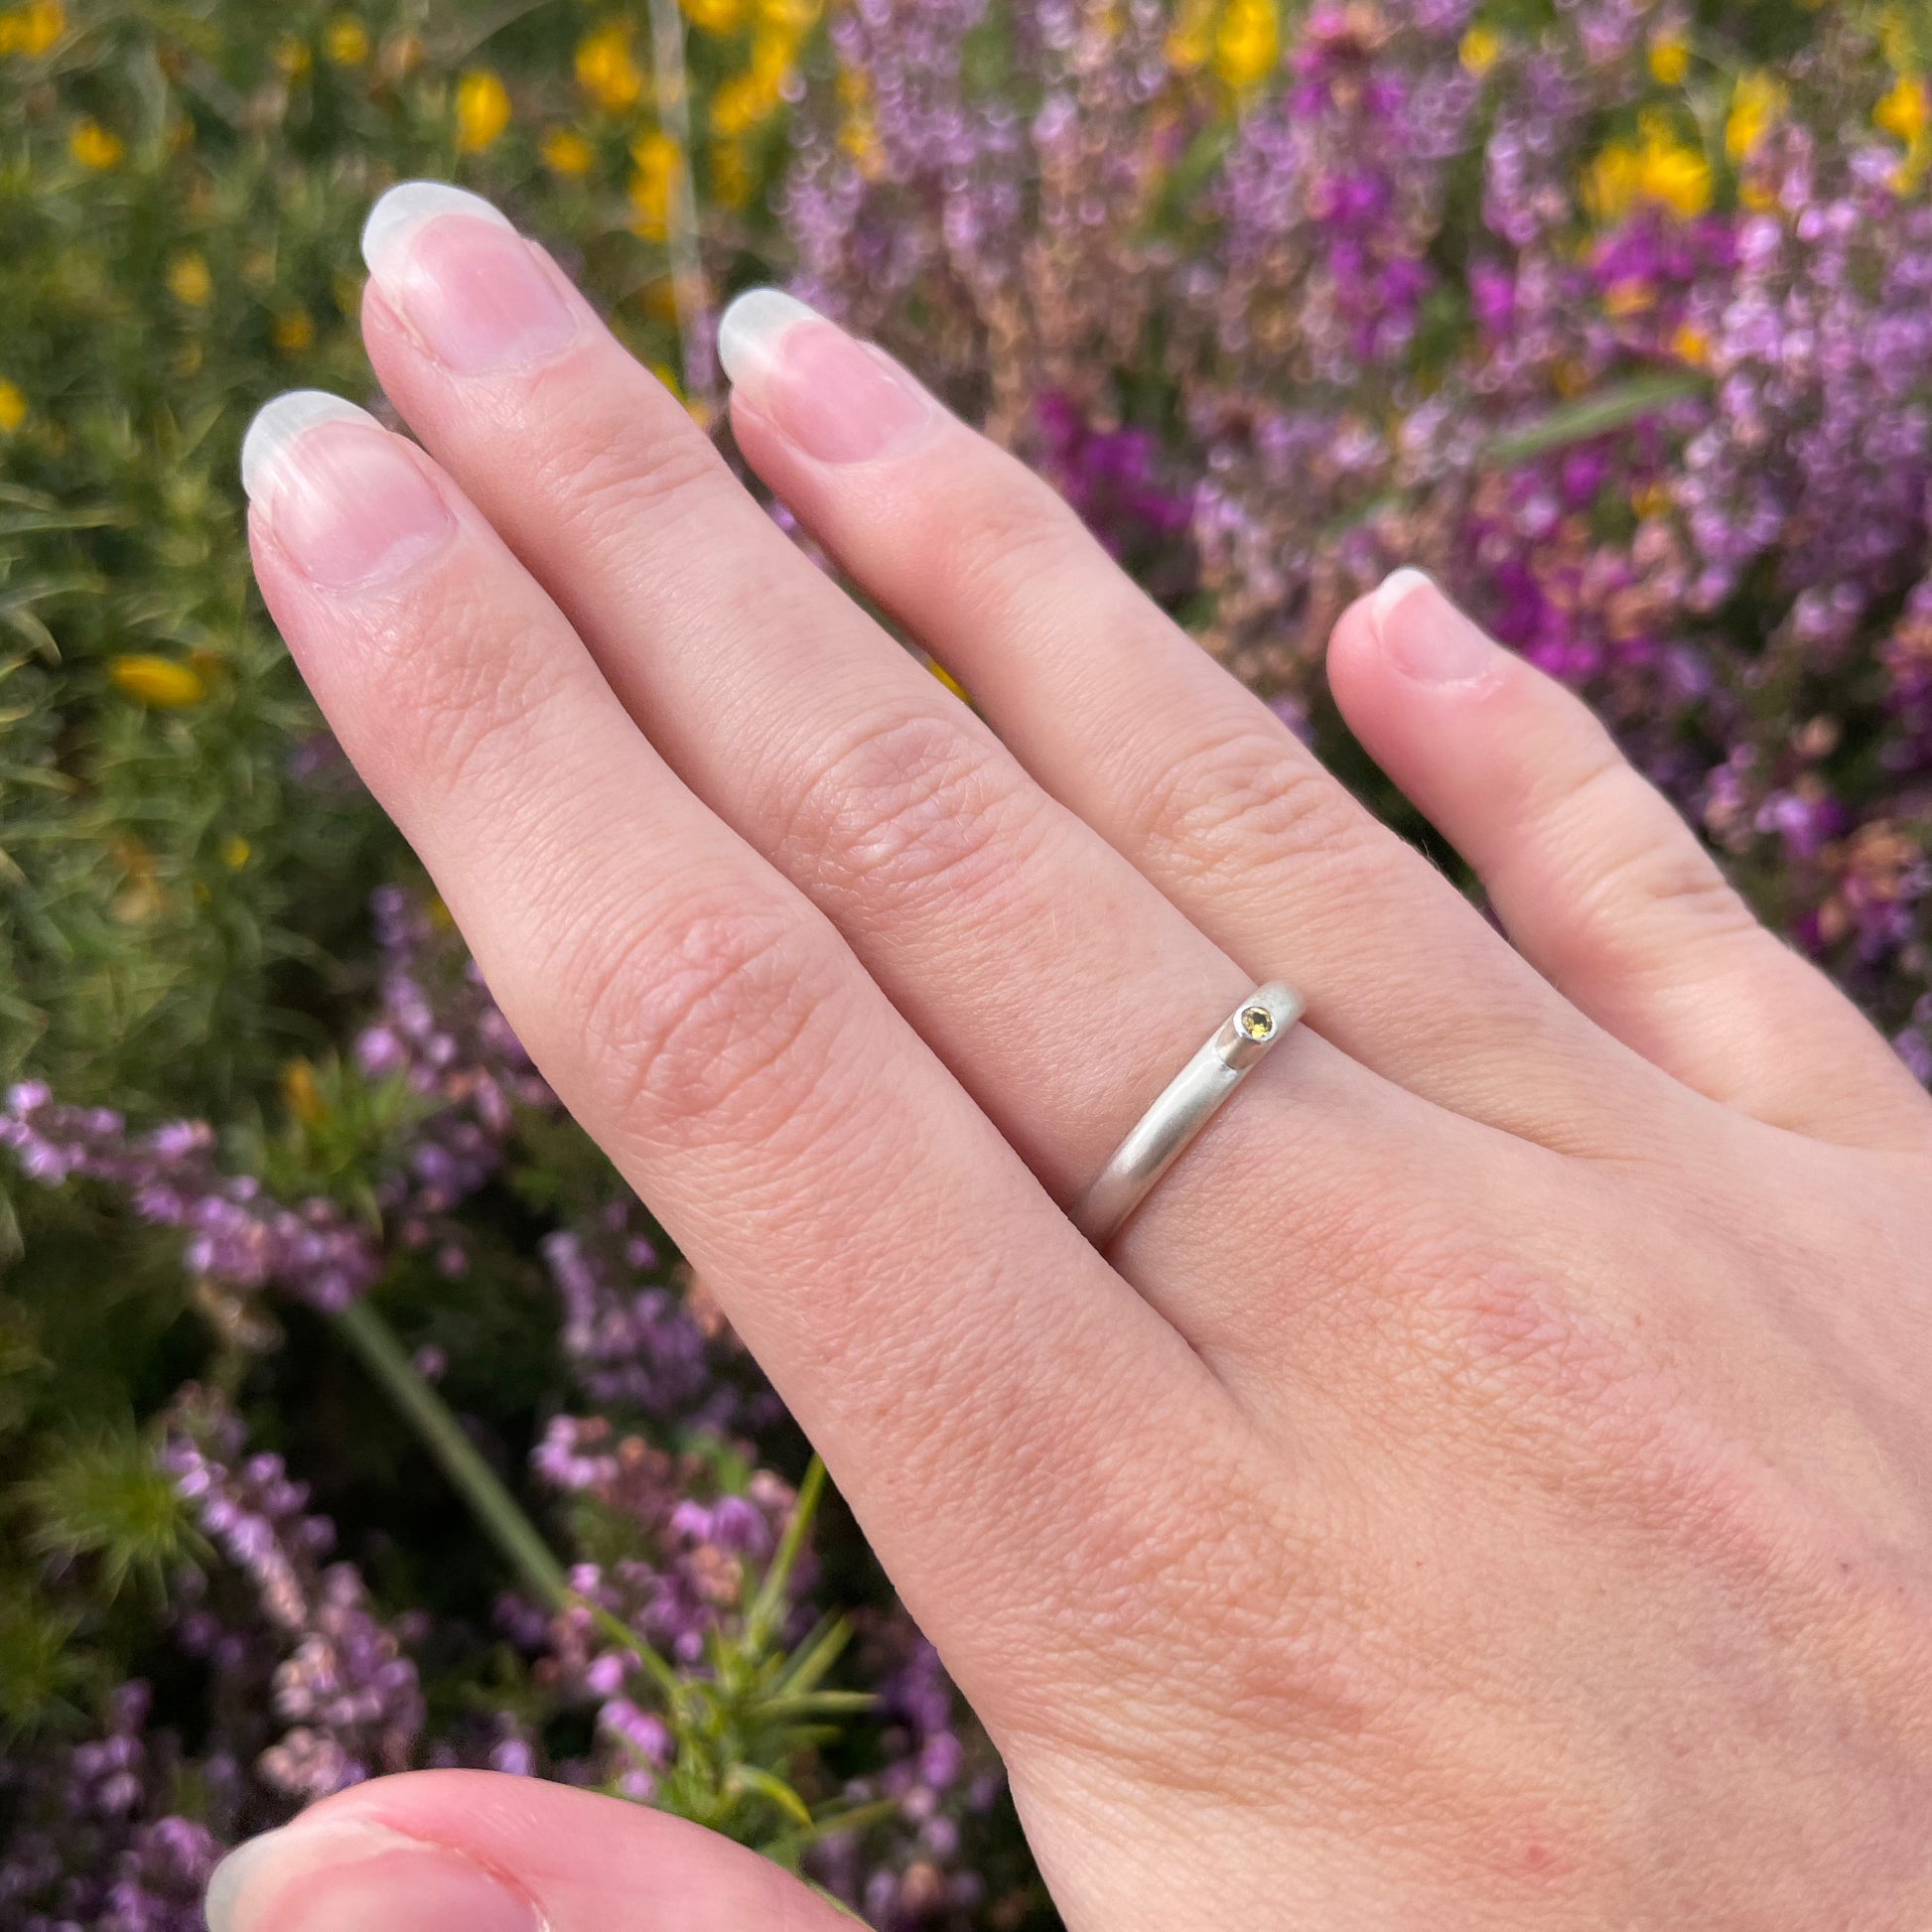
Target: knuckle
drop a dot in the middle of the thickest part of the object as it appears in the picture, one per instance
(909, 804)
(1659, 867)
(993, 552)
(715, 1018)
(1227, 800)
(606, 470)
(462, 687)
(1678, 876)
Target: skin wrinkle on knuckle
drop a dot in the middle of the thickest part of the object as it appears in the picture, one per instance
(1658, 871)
(465, 684)
(1235, 801)
(707, 1020)
(992, 544)
(877, 1245)
(911, 809)
(1376, 1264)
(605, 475)
(945, 1393)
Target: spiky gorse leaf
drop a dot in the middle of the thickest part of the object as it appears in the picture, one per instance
(104, 1499)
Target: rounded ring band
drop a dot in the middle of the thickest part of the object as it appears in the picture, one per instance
(1186, 1104)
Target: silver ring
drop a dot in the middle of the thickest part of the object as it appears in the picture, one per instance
(1186, 1104)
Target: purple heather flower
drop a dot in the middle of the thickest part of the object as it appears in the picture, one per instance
(343, 1687)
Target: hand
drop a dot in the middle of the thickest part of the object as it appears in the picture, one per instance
(1488, 1484)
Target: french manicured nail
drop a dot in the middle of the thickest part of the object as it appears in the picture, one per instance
(469, 287)
(1426, 634)
(358, 1878)
(347, 503)
(837, 398)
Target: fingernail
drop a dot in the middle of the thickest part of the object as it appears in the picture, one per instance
(467, 286)
(353, 1877)
(347, 503)
(838, 399)
(1427, 635)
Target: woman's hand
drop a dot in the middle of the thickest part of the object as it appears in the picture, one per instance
(1488, 1484)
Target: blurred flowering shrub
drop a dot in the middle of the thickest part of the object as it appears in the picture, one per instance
(351, 1415)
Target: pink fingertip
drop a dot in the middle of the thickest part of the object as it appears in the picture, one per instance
(350, 505)
(838, 399)
(345, 1877)
(1425, 636)
(466, 286)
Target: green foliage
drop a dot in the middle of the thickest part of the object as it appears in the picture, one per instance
(184, 863)
(337, 1136)
(40, 1672)
(106, 1499)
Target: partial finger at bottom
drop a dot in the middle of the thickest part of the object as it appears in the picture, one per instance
(489, 1853)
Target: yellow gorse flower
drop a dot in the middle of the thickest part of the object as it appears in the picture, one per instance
(293, 56)
(1756, 106)
(1242, 38)
(796, 18)
(93, 145)
(13, 406)
(1903, 113)
(607, 70)
(188, 280)
(858, 131)
(714, 16)
(748, 99)
(164, 683)
(1630, 297)
(1651, 499)
(738, 105)
(1480, 48)
(566, 152)
(346, 42)
(1248, 46)
(1670, 58)
(302, 1092)
(294, 332)
(32, 29)
(235, 852)
(482, 110)
(1657, 168)
(659, 160)
(1691, 345)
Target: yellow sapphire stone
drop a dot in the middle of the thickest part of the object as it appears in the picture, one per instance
(1255, 1022)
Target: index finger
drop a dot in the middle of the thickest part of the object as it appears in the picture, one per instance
(953, 1346)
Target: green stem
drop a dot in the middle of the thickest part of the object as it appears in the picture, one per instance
(1621, 404)
(482, 1488)
(768, 1607)
(672, 92)
(1594, 415)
